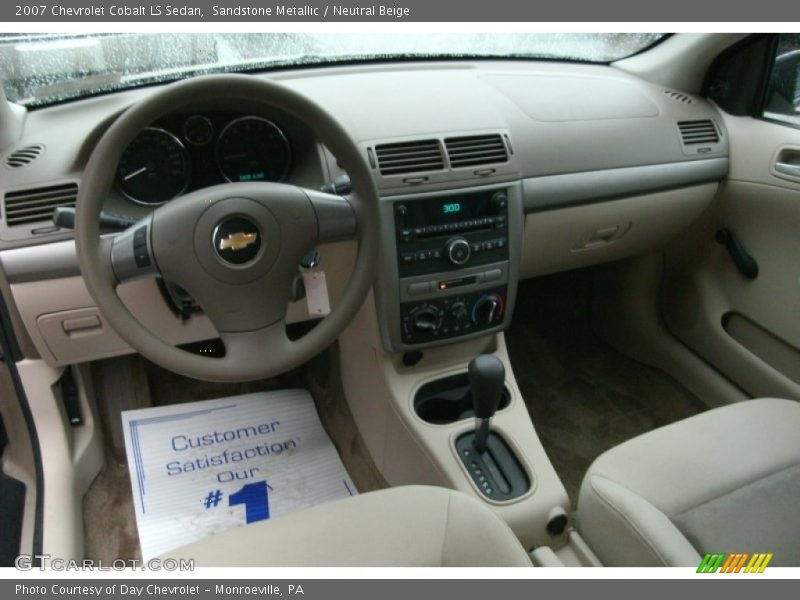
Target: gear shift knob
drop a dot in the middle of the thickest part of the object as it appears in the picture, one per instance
(487, 380)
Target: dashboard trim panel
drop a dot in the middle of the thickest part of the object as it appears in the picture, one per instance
(41, 262)
(572, 189)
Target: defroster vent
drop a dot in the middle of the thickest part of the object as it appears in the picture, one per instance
(22, 157)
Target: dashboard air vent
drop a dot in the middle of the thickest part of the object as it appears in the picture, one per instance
(679, 96)
(409, 157)
(36, 204)
(23, 156)
(698, 132)
(474, 150)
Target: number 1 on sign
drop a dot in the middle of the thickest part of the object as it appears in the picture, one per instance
(255, 498)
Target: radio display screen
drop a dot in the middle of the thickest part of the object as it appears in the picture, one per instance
(450, 209)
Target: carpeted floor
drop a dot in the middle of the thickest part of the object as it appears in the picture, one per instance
(583, 396)
(109, 518)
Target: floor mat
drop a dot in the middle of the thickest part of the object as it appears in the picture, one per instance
(583, 396)
(321, 376)
(203, 467)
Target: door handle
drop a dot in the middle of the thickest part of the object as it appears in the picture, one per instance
(743, 260)
(787, 169)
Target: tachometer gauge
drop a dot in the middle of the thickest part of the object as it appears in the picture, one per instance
(252, 149)
(154, 168)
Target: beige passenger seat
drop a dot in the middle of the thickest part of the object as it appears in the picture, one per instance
(727, 480)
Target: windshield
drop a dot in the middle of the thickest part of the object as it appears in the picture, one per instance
(46, 68)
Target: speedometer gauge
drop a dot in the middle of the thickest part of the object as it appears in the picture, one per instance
(154, 168)
(252, 149)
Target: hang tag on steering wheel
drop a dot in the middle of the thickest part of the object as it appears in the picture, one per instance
(316, 293)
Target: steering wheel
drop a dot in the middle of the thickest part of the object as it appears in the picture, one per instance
(234, 247)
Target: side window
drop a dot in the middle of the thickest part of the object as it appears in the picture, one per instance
(782, 101)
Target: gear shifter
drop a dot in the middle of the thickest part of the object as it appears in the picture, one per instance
(487, 377)
(488, 460)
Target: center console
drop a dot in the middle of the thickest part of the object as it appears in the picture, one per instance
(428, 413)
(449, 265)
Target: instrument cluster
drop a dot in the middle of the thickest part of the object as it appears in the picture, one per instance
(181, 153)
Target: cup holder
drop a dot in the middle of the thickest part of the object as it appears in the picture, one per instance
(448, 400)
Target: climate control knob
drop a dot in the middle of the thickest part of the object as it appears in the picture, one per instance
(459, 313)
(488, 310)
(457, 250)
(425, 319)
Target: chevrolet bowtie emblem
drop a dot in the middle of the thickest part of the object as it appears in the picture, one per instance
(237, 241)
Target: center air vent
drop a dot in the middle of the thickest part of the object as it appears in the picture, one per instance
(698, 132)
(474, 150)
(36, 204)
(409, 157)
(23, 156)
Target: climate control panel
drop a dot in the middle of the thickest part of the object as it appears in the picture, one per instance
(452, 316)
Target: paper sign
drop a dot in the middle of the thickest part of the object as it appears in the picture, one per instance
(204, 467)
(317, 293)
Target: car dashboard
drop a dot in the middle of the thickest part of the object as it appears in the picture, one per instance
(488, 172)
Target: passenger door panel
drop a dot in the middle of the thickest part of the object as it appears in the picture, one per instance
(749, 329)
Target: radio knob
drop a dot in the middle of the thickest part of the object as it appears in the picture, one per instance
(457, 250)
(499, 201)
(488, 309)
(425, 320)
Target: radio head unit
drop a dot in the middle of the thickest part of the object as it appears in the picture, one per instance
(450, 232)
(452, 265)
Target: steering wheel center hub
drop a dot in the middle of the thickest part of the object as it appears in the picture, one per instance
(237, 240)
